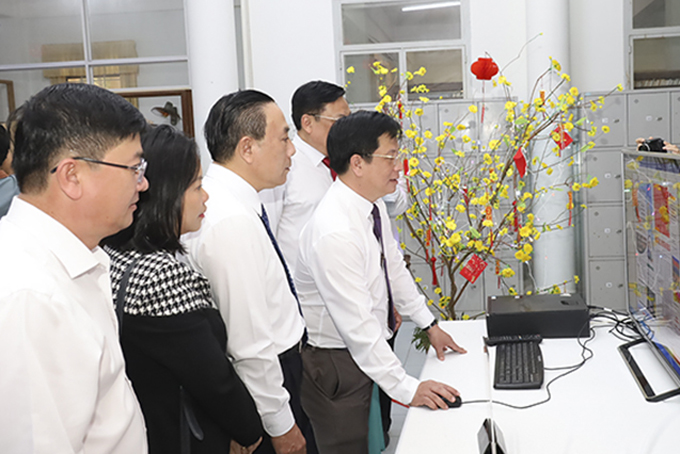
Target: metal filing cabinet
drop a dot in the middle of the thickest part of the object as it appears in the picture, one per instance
(605, 231)
(611, 115)
(606, 166)
(607, 279)
(675, 118)
(648, 115)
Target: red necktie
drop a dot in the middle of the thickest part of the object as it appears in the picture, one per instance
(327, 162)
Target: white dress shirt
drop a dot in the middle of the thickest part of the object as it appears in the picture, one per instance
(290, 205)
(63, 387)
(232, 249)
(342, 287)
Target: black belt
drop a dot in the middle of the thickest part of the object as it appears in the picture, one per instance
(314, 348)
(296, 348)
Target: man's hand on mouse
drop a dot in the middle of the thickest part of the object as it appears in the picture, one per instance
(429, 394)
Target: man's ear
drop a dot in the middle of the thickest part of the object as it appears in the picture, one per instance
(69, 179)
(356, 165)
(244, 149)
(306, 123)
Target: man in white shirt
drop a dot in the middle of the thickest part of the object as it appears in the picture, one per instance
(247, 137)
(349, 277)
(78, 162)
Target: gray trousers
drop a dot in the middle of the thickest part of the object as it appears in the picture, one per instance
(336, 395)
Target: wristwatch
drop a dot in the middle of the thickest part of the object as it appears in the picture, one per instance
(434, 322)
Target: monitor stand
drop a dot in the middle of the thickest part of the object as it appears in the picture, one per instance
(640, 378)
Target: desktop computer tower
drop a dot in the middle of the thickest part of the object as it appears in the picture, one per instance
(550, 315)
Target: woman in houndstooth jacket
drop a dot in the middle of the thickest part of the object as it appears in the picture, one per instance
(173, 337)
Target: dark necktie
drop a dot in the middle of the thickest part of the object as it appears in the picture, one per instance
(265, 221)
(327, 162)
(377, 231)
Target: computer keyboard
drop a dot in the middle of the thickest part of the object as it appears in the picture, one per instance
(519, 365)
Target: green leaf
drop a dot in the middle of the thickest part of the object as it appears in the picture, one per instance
(474, 233)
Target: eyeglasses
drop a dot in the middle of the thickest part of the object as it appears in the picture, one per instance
(334, 119)
(139, 169)
(395, 158)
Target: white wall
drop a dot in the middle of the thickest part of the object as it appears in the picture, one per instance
(598, 47)
(291, 44)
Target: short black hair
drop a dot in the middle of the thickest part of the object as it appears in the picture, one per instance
(233, 117)
(312, 97)
(173, 165)
(82, 118)
(4, 144)
(358, 133)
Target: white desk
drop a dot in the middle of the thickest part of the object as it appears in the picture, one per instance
(598, 409)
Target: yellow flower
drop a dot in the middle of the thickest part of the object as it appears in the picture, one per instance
(502, 80)
(510, 105)
(619, 87)
(565, 77)
(382, 90)
(573, 91)
(455, 238)
(460, 208)
(410, 133)
(461, 127)
(493, 144)
(427, 174)
(466, 139)
(605, 129)
(507, 272)
(386, 99)
(413, 162)
(487, 159)
(487, 223)
(555, 64)
(451, 224)
(424, 99)
(418, 279)
(438, 290)
(525, 231)
(528, 249)
(472, 108)
(593, 182)
(576, 279)
(439, 160)
(421, 71)
(427, 134)
(512, 291)
(479, 246)
(549, 171)
(350, 70)
(418, 111)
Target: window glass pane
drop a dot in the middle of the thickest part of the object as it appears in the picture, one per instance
(147, 75)
(26, 26)
(364, 83)
(388, 22)
(656, 13)
(443, 76)
(148, 28)
(656, 62)
(27, 83)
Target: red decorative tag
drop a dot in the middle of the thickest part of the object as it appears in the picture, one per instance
(521, 163)
(473, 268)
(564, 138)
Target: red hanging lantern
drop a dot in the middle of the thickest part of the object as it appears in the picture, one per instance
(484, 68)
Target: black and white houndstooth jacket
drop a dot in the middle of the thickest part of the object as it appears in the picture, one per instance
(160, 285)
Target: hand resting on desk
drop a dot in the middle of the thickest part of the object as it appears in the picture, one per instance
(441, 340)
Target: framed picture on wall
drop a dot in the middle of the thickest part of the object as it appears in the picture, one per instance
(7, 101)
(172, 107)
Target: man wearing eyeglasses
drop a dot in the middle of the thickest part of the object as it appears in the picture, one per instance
(350, 276)
(78, 162)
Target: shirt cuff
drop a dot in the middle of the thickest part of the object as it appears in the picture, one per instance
(406, 391)
(279, 423)
(422, 317)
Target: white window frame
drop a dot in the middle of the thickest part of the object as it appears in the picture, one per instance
(631, 34)
(401, 48)
(90, 63)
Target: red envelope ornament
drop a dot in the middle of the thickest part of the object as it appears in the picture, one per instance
(473, 268)
(520, 163)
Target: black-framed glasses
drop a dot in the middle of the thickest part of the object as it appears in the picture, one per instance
(139, 169)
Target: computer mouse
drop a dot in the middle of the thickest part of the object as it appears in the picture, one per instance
(455, 404)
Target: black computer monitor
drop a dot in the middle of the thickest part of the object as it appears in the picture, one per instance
(651, 189)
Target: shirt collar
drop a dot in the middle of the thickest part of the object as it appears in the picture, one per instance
(73, 254)
(235, 184)
(363, 205)
(308, 151)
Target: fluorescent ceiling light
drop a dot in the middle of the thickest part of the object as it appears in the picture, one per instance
(406, 9)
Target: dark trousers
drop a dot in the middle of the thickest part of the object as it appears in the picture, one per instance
(336, 395)
(385, 400)
(291, 365)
